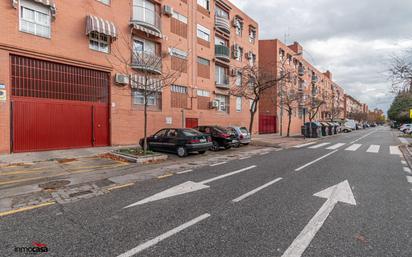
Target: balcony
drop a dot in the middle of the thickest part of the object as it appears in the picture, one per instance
(222, 82)
(147, 62)
(222, 23)
(146, 20)
(222, 53)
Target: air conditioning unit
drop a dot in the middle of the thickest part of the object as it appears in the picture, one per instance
(168, 10)
(214, 104)
(122, 79)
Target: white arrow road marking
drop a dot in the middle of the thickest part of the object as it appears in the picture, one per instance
(373, 149)
(303, 145)
(337, 193)
(319, 145)
(315, 161)
(353, 148)
(394, 150)
(240, 198)
(334, 147)
(186, 187)
(164, 236)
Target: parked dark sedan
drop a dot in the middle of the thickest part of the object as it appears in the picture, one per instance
(221, 137)
(179, 141)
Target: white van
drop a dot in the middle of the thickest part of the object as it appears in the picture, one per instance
(350, 124)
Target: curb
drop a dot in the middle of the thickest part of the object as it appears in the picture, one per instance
(407, 154)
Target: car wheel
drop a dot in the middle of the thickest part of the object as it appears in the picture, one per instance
(202, 152)
(215, 146)
(237, 145)
(228, 147)
(181, 151)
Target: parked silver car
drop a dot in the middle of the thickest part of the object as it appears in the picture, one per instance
(242, 134)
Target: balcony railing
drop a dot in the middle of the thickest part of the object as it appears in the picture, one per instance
(222, 23)
(222, 52)
(147, 62)
(146, 18)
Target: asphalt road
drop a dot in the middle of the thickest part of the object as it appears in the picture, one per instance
(261, 206)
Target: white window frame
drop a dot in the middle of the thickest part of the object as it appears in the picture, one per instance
(179, 17)
(146, 12)
(102, 40)
(239, 78)
(203, 93)
(203, 33)
(240, 54)
(138, 98)
(37, 10)
(239, 27)
(238, 103)
(223, 103)
(219, 12)
(106, 2)
(204, 3)
(203, 61)
(220, 75)
(178, 89)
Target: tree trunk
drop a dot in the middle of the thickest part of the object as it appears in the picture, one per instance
(145, 129)
(289, 121)
(252, 118)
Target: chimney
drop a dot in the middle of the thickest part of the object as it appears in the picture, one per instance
(296, 47)
(328, 74)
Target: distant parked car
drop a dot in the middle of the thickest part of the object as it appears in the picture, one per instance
(405, 126)
(179, 141)
(221, 137)
(350, 124)
(242, 135)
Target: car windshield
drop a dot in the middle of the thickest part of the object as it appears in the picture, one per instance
(191, 132)
(244, 130)
(221, 130)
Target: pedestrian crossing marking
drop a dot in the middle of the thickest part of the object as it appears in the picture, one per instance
(336, 146)
(353, 148)
(319, 145)
(394, 150)
(304, 145)
(373, 149)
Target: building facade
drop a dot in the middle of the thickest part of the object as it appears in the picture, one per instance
(70, 69)
(294, 93)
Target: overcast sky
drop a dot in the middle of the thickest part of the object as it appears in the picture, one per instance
(354, 39)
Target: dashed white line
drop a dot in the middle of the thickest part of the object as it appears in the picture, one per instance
(184, 172)
(227, 175)
(244, 158)
(373, 149)
(336, 146)
(407, 170)
(409, 178)
(254, 191)
(319, 145)
(394, 150)
(217, 164)
(404, 162)
(304, 145)
(353, 148)
(164, 236)
(315, 161)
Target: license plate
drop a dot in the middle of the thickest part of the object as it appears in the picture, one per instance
(202, 140)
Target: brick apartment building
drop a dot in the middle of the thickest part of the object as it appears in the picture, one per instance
(275, 56)
(64, 89)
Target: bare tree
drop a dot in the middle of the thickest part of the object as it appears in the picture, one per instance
(254, 83)
(147, 71)
(335, 105)
(401, 72)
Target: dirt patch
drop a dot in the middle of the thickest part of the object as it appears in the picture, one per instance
(54, 185)
(112, 157)
(62, 161)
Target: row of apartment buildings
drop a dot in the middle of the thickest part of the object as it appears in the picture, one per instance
(66, 69)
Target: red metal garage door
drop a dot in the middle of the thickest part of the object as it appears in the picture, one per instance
(58, 106)
(267, 124)
(192, 122)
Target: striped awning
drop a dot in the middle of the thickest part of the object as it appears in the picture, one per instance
(49, 3)
(100, 25)
(138, 82)
(146, 30)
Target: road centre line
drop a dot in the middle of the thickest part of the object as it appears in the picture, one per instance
(227, 175)
(315, 161)
(184, 172)
(217, 164)
(362, 137)
(164, 236)
(240, 198)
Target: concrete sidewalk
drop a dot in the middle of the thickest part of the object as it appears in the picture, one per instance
(33, 157)
(277, 141)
